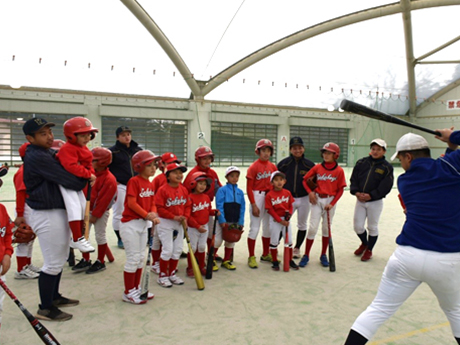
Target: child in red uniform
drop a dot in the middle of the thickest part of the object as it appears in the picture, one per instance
(330, 184)
(77, 159)
(278, 203)
(25, 269)
(201, 210)
(173, 207)
(139, 210)
(258, 184)
(103, 195)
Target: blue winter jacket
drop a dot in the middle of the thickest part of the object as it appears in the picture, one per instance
(230, 202)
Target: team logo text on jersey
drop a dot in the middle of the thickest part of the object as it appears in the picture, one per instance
(279, 200)
(146, 193)
(200, 207)
(325, 177)
(3, 231)
(175, 202)
(263, 175)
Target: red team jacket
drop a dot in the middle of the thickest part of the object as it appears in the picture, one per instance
(200, 210)
(172, 201)
(209, 173)
(278, 202)
(258, 178)
(6, 233)
(20, 187)
(76, 159)
(103, 193)
(142, 190)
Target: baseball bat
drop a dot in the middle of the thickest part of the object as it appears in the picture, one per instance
(210, 262)
(379, 115)
(87, 210)
(196, 269)
(287, 251)
(145, 281)
(331, 246)
(41, 330)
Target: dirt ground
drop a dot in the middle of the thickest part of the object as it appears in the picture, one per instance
(246, 306)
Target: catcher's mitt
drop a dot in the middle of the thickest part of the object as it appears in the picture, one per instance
(311, 183)
(232, 233)
(23, 234)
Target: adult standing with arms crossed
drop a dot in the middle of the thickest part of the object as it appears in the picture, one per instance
(295, 167)
(429, 244)
(48, 218)
(122, 152)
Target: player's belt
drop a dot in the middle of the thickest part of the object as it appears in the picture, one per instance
(260, 191)
(323, 196)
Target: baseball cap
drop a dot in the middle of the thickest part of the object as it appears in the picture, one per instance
(122, 129)
(295, 141)
(277, 173)
(379, 142)
(410, 142)
(169, 157)
(174, 166)
(32, 126)
(231, 169)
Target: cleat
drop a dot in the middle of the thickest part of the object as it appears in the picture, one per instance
(82, 266)
(215, 268)
(82, 245)
(175, 279)
(62, 302)
(156, 268)
(324, 261)
(34, 268)
(120, 244)
(276, 265)
(52, 314)
(304, 261)
(367, 255)
(133, 296)
(228, 265)
(296, 253)
(190, 273)
(164, 282)
(252, 262)
(293, 265)
(266, 258)
(96, 267)
(26, 273)
(362, 248)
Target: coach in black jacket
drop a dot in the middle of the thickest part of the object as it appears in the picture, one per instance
(295, 167)
(371, 180)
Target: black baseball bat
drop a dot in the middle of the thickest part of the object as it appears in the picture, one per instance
(379, 115)
(210, 262)
(331, 246)
(145, 281)
(41, 330)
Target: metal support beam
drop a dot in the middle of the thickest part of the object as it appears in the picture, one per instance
(410, 58)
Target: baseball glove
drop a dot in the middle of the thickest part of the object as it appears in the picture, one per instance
(232, 233)
(23, 234)
(311, 183)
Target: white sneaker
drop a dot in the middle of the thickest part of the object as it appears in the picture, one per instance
(133, 297)
(164, 282)
(35, 268)
(296, 253)
(156, 268)
(175, 279)
(26, 273)
(82, 245)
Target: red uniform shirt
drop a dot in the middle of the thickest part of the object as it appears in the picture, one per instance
(278, 202)
(329, 181)
(20, 187)
(200, 210)
(103, 193)
(209, 173)
(6, 233)
(159, 181)
(172, 201)
(258, 176)
(76, 159)
(141, 189)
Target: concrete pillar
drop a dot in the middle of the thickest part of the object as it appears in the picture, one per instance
(93, 105)
(282, 149)
(199, 129)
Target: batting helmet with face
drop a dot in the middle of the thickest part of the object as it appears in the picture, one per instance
(78, 125)
(102, 155)
(143, 158)
(263, 143)
(199, 176)
(22, 149)
(332, 147)
(204, 151)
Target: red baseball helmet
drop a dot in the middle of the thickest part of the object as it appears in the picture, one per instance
(169, 157)
(143, 158)
(264, 143)
(332, 147)
(22, 149)
(199, 176)
(78, 125)
(57, 144)
(102, 155)
(204, 151)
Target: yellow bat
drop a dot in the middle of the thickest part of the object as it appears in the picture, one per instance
(196, 269)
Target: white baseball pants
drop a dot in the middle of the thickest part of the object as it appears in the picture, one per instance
(171, 248)
(134, 236)
(317, 213)
(75, 203)
(264, 217)
(302, 206)
(276, 229)
(100, 228)
(198, 239)
(370, 210)
(118, 206)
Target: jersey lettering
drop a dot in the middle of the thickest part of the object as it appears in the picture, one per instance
(279, 200)
(3, 231)
(325, 177)
(146, 193)
(263, 175)
(177, 201)
(200, 207)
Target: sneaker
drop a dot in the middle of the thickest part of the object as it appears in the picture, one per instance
(304, 261)
(26, 273)
(120, 244)
(63, 302)
(52, 314)
(293, 265)
(156, 268)
(324, 261)
(296, 253)
(367, 255)
(82, 245)
(362, 248)
(96, 267)
(215, 268)
(82, 266)
(133, 296)
(276, 265)
(164, 282)
(228, 265)
(266, 258)
(34, 268)
(190, 273)
(175, 279)
(252, 262)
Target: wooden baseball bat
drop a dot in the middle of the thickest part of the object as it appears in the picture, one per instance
(287, 249)
(331, 246)
(41, 330)
(379, 115)
(210, 262)
(87, 210)
(196, 269)
(145, 281)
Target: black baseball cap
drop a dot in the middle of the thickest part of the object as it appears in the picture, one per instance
(295, 141)
(32, 126)
(122, 129)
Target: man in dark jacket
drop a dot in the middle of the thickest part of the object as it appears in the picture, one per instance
(371, 181)
(122, 152)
